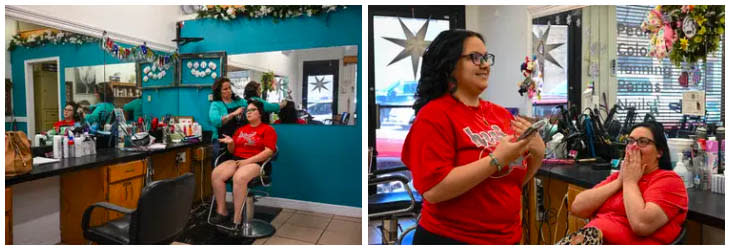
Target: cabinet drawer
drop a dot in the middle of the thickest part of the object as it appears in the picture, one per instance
(125, 171)
(126, 194)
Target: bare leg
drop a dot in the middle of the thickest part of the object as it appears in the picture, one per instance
(218, 177)
(243, 175)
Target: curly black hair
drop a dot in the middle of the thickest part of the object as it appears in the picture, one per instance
(251, 89)
(438, 63)
(288, 114)
(106, 94)
(218, 86)
(660, 141)
(265, 116)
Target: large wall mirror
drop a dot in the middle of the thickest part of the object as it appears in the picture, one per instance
(83, 82)
(319, 82)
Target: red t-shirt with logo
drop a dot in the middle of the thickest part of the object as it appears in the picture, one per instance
(662, 187)
(445, 134)
(250, 141)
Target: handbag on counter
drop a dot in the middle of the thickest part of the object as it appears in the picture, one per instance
(18, 157)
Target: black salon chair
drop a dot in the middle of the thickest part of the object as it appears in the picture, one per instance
(249, 227)
(162, 212)
(388, 207)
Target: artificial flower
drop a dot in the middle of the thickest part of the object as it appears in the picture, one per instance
(700, 19)
(683, 43)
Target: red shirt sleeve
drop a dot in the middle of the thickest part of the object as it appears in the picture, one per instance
(269, 138)
(667, 191)
(608, 179)
(428, 152)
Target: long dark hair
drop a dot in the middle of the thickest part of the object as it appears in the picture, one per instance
(288, 114)
(251, 90)
(660, 141)
(218, 86)
(260, 106)
(438, 63)
(106, 94)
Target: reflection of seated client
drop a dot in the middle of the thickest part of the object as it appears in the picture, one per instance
(133, 109)
(251, 145)
(104, 108)
(644, 203)
(69, 117)
(288, 115)
(253, 91)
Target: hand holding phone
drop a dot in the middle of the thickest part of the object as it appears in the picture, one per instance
(532, 129)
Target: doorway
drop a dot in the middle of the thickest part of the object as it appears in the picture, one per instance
(319, 93)
(43, 100)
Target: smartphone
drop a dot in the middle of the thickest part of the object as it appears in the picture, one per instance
(532, 129)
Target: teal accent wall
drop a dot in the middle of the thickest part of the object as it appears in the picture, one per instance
(316, 163)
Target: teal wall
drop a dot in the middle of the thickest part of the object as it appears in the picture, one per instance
(316, 163)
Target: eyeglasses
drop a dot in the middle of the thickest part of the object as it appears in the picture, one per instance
(642, 142)
(70, 110)
(478, 58)
(251, 110)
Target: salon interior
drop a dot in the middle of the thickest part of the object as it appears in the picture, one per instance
(590, 73)
(109, 113)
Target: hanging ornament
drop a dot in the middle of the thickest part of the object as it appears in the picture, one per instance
(213, 75)
(146, 69)
(196, 65)
(144, 48)
(689, 27)
(683, 81)
(203, 64)
(190, 65)
(212, 65)
(145, 79)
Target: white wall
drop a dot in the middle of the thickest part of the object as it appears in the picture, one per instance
(346, 75)
(11, 27)
(507, 34)
(154, 23)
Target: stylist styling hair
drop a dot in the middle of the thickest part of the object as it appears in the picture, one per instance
(226, 111)
(462, 151)
(104, 108)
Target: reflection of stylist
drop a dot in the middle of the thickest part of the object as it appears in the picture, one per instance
(104, 108)
(253, 91)
(461, 149)
(225, 111)
(134, 109)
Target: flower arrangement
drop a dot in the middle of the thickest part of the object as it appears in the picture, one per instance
(267, 83)
(279, 12)
(528, 84)
(50, 37)
(685, 33)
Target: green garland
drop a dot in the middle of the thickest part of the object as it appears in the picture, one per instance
(278, 12)
(50, 37)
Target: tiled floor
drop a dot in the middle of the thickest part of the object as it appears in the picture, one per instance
(295, 227)
(374, 235)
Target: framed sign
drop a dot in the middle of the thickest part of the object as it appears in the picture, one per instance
(201, 69)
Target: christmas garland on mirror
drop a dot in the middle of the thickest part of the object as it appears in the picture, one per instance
(278, 12)
(50, 37)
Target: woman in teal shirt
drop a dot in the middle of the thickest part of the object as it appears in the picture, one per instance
(253, 91)
(104, 108)
(134, 109)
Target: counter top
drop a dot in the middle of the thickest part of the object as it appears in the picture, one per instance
(704, 206)
(102, 157)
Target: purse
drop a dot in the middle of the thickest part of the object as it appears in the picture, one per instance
(18, 157)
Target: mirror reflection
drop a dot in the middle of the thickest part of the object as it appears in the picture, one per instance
(311, 86)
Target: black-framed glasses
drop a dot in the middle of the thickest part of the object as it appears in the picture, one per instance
(251, 110)
(478, 58)
(642, 141)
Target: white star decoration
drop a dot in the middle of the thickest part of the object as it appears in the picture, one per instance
(542, 49)
(319, 84)
(413, 45)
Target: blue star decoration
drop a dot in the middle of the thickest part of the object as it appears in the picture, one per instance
(413, 45)
(319, 84)
(542, 49)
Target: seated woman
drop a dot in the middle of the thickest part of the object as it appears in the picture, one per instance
(288, 115)
(70, 116)
(251, 144)
(644, 203)
(105, 107)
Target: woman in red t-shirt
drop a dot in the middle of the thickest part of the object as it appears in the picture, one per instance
(251, 144)
(461, 149)
(644, 203)
(69, 117)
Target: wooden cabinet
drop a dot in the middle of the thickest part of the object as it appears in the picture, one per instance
(200, 165)
(574, 222)
(120, 184)
(165, 165)
(8, 216)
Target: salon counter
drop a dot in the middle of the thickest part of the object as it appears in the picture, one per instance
(559, 184)
(115, 176)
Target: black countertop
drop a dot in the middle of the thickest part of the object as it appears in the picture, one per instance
(704, 206)
(103, 157)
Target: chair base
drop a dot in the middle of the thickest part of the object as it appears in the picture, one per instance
(256, 228)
